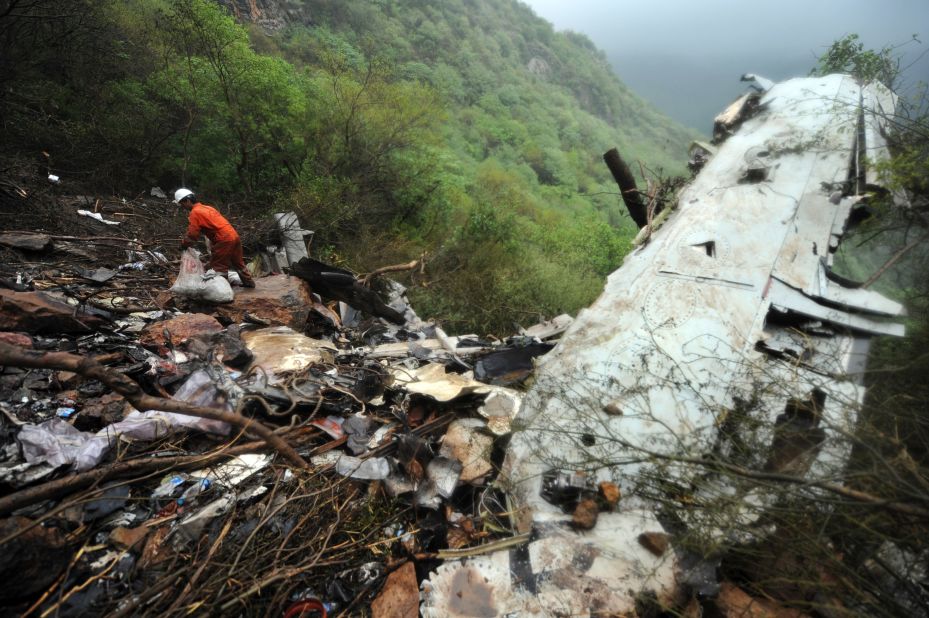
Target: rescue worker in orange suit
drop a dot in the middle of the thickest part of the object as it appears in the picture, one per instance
(225, 245)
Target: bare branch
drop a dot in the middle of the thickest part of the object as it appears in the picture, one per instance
(125, 386)
(893, 260)
(393, 269)
(59, 487)
(846, 492)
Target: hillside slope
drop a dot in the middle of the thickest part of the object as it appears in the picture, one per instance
(486, 57)
(468, 130)
(528, 113)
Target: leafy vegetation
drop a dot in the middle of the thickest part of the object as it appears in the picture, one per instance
(468, 130)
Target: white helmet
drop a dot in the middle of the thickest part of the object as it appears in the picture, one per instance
(181, 194)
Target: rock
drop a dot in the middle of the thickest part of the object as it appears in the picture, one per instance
(538, 66)
(128, 538)
(26, 240)
(585, 515)
(38, 380)
(11, 379)
(23, 341)
(67, 378)
(610, 493)
(165, 300)
(156, 550)
(180, 329)
(100, 412)
(39, 313)
(465, 442)
(97, 275)
(613, 409)
(655, 542)
(278, 300)
(226, 347)
(400, 596)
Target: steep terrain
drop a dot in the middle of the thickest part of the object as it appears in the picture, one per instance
(468, 130)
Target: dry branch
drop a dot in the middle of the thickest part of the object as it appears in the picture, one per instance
(393, 269)
(83, 238)
(125, 386)
(857, 496)
(75, 482)
(893, 260)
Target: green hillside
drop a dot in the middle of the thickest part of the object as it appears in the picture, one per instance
(468, 129)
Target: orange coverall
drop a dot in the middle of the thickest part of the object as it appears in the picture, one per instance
(225, 245)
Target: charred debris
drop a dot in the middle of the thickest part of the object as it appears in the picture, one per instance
(313, 447)
(289, 451)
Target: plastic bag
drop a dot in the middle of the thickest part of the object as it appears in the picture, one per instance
(192, 282)
(57, 442)
(215, 288)
(188, 280)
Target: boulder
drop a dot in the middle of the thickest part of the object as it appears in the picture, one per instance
(39, 313)
(23, 341)
(180, 329)
(278, 300)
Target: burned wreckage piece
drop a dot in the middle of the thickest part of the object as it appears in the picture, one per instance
(333, 282)
(729, 313)
(139, 429)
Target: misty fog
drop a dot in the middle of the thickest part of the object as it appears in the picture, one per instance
(687, 57)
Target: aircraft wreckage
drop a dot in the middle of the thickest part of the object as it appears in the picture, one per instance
(727, 311)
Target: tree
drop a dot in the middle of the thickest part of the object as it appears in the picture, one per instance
(849, 55)
(247, 106)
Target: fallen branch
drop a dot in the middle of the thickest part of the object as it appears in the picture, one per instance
(479, 550)
(125, 386)
(52, 490)
(393, 269)
(69, 484)
(893, 260)
(81, 238)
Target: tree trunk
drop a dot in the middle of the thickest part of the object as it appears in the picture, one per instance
(628, 190)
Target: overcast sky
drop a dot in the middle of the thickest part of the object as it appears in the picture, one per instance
(686, 56)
